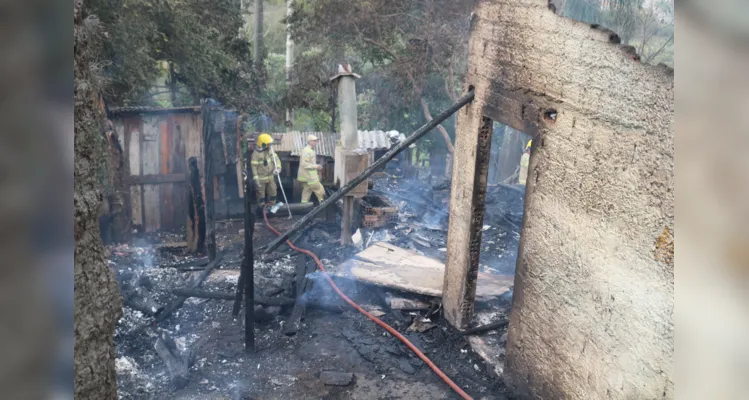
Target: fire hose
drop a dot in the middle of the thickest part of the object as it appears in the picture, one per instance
(376, 320)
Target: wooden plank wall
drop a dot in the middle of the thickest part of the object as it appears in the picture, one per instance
(150, 161)
(158, 146)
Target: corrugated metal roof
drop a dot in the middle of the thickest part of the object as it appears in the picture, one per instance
(142, 109)
(295, 141)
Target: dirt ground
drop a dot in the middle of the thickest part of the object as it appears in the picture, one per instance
(334, 337)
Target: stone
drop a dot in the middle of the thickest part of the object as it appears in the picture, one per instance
(333, 378)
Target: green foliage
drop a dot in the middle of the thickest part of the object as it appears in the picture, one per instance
(647, 25)
(198, 38)
(404, 51)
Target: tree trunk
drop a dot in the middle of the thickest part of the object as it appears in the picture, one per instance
(258, 48)
(97, 298)
(172, 84)
(289, 65)
(443, 131)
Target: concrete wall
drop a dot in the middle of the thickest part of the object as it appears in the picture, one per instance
(593, 309)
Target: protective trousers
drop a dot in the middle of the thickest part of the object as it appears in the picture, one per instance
(266, 187)
(314, 187)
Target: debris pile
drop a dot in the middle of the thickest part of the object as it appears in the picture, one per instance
(197, 350)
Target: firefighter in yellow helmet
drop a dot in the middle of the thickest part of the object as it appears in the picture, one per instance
(524, 161)
(308, 175)
(265, 164)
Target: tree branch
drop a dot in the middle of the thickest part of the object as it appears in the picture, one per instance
(443, 131)
(652, 56)
(382, 47)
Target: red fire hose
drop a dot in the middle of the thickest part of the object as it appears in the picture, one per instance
(376, 320)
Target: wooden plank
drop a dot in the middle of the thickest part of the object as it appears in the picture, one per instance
(135, 190)
(151, 165)
(165, 191)
(386, 265)
(157, 179)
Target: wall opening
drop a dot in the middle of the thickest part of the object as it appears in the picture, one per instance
(503, 217)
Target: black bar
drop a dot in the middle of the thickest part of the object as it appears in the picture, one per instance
(207, 117)
(467, 98)
(485, 328)
(196, 284)
(249, 259)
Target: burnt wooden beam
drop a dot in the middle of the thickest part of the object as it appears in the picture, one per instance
(155, 179)
(207, 117)
(467, 206)
(485, 328)
(394, 151)
(303, 284)
(195, 284)
(195, 210)
(177, 363)
(248, 264)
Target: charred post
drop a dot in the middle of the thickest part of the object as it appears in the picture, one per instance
(195, 210)
(464, 236)
(248, 265)
(209, 203)
(303, 284)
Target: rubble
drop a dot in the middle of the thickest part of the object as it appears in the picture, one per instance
(329, 334)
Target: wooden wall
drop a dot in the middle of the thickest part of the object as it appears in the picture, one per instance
(157, 146)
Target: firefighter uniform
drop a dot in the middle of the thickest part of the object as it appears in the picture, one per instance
(308, 175)
(524, 162)
(263, 164)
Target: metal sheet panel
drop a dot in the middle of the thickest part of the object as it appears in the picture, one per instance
(294, 142)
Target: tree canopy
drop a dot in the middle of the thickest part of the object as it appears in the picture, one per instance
(192, 46)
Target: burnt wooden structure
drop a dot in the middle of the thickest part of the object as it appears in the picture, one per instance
(157, 145)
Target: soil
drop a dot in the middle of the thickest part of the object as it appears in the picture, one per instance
(333, 337)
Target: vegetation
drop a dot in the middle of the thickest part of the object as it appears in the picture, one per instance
(646, 24)
(411, 55)
(191, 45)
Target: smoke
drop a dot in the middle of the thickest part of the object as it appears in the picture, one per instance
(323, 295)
(144, 253)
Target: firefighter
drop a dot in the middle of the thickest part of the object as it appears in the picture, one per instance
(265, 164)
(524, 161)
(308, 172)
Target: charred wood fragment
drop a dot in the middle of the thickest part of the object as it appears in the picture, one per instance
(177, 363)
(196, 284)
(304, 284)
(485, 328)
(195, 210)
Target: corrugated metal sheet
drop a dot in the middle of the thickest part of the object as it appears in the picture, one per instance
(294, 142)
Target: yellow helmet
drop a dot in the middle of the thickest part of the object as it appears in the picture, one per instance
(264, 139)
(528, 146)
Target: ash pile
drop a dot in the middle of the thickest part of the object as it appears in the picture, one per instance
(180, 336)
